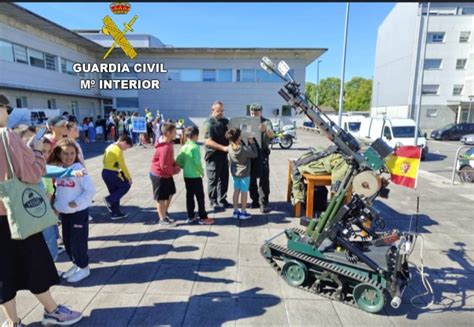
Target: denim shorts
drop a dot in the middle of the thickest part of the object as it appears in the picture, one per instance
(241, 183)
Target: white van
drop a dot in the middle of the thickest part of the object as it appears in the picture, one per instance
(350, 123)
(394, 131)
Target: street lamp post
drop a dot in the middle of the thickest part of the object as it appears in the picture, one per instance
(422, 67)
(471, 97)
(317, 82)
(341, 91)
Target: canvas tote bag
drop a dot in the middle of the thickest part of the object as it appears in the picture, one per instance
(28, 210)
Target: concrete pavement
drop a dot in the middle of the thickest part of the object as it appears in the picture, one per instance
(144, 274)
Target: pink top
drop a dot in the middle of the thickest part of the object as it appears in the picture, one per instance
(29, 165)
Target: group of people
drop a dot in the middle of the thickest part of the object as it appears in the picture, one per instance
(29, 263)
(56, 162)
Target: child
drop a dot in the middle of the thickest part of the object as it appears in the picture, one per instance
(189, 159)
(73, 198)
(239, 157)
(73, 133)
(51, 233)
(116, 175)
(163, 167)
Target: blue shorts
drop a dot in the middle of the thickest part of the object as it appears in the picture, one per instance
(241, 183)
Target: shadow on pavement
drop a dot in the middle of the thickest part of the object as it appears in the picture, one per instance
(395, 219)
(160, 270)
(451, 287)
(210, 309)
(434, 157)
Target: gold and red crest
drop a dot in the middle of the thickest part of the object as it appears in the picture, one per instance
(120, 8)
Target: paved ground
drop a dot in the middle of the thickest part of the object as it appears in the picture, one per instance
(144, 274)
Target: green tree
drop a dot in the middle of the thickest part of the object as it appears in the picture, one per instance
(357, 94)
(329, 92)
(310, 91)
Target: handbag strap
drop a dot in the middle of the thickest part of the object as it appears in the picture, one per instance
(4, 136)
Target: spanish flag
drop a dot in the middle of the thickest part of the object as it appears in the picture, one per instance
(403, 165)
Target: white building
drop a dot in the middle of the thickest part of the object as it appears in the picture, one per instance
(37, 55)
(448, 68)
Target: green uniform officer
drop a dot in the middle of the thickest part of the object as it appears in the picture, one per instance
(217, 164)
(260, 184)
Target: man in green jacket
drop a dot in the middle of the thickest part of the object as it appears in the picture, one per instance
(189, 159)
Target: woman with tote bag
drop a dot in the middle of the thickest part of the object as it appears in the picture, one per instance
(26, 263)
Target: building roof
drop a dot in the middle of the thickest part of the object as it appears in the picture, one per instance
(25, 16)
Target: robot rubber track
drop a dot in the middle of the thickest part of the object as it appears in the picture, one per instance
(276, 255)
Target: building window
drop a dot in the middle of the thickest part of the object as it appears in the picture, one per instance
(21, 102)
(246, 75)
(285, 110)
(461, 63)
(224, 75)
(430, 89)
(131, 75)
(191, 75)
(433, 64)
(431, 113)
(6, 51)
(36, 58)
(468, 11)
(464, 37)
(443, 11)
(105, 75)
(66, 66)
(209, 75)
(436, 37)
(457, 89)
(126, 102)
(50, 61)
(19, 53)
(52, 104)
(173, 75)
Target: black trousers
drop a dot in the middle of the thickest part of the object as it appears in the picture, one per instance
(194, 188)
(75, 236)
(260, 187)
(217, 168)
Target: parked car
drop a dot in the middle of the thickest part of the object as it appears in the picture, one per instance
(394, 131)
(465, 166)
(453, 131)
(468, 139)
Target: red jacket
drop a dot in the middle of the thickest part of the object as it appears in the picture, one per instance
(163, 163)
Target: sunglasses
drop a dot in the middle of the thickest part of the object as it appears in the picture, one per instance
(9, 109)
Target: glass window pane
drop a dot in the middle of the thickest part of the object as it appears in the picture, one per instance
(6, 51)
(20, 54)
(464, 37)
(457, 89)
(127, 102)
(209, 75)
(461, 63)
(433, 63)
(436, 37)
(36, 58)
(173, 75)
(50, 61)
(191, 75)
(430, 89)
(247, 75)
(264, 77)
(69, 69)
(224, 75)
(132, 74)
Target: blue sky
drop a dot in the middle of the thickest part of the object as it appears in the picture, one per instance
(318, 25)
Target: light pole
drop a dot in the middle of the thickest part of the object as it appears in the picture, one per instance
(422, 67)
(317, 82)
(341, 91)
(471, 97)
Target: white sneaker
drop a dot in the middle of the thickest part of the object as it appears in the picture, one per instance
(70, 272)
(79, 275)
(60, 273)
